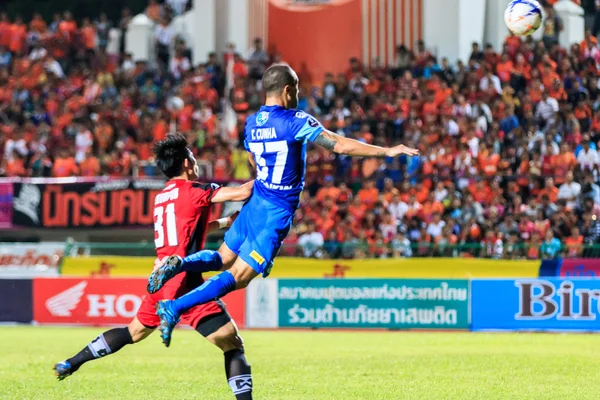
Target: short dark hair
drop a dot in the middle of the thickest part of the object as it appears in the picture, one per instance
(170, 155)
(277, 77)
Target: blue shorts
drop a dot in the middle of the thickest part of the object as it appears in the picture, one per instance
(258, 232)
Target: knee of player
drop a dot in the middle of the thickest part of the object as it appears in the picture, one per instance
(242, 283)
(242, 277)
(228, 340)
(138, 331)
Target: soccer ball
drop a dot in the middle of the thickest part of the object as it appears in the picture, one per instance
(175, 104)
(523, 17)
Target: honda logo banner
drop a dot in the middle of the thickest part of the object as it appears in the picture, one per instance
(536, 304)
(101, 301)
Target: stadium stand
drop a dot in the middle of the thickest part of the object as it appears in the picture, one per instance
(509, 138)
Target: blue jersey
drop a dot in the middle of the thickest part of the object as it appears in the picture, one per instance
(277, 138)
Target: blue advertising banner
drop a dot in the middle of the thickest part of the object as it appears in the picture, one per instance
(536, 304)
(16, 300)
(372, 303)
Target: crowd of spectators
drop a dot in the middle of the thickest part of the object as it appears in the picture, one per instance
(508, 139)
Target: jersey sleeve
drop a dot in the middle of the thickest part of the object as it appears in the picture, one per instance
(201, 194)
(305, 127)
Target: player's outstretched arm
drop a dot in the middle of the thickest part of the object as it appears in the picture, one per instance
(239, 193)
(351, 147)
(220, 223)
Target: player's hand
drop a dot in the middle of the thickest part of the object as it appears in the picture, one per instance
(232, 218)
(401, 149)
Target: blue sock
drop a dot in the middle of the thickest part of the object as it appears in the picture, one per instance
(217, 286)
(202, 261)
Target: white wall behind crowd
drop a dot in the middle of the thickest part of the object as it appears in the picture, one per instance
(27, 260)
(210, 25)
(449, 26)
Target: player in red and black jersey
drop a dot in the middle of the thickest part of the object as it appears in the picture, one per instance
(181, 212)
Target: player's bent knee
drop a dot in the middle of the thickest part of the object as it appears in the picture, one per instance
(243, 274)
(227, 338)
(138, 331)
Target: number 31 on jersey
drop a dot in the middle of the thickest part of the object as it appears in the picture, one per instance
(162, 229)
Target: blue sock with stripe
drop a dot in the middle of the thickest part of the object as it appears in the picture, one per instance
(217, 286)
(203, 261)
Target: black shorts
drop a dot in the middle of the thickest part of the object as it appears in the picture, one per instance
(212, 323)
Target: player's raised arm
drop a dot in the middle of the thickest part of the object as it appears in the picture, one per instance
(239, 193)
(351, 147)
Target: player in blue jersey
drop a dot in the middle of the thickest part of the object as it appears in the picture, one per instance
(275, 138)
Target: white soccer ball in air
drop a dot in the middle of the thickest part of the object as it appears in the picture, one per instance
(523, 17)
(175, 104)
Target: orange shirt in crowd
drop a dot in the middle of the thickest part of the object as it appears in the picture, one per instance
(5, 33)
(524, 70)
(38, 25)
(15, 167)
(552, 194)
(64, 167)
(160, 130)
(535, 93)
(574, 246)
(368, 196)
(582, 112)
(422, 194)
(429, 208)
(90, 166)
(18, 32)
(372, 87)
(144, 151)
(549, 78)
(89, 37)
(557, 93)
(68, 28)
(489, 164)
(328, 193)
(503, 70)
(441, 95)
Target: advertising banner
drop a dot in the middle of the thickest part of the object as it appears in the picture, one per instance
(101, 301)
(30, 259)
(49, 203)
(359, 303)
(440, 268)
(16, 300)
(289, 267)
(110, 203)
(6, 204)
(108, 266)
(571, 267)
(536, 304)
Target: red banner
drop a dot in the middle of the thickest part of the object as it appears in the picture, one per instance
(579, 267)
(102, 301)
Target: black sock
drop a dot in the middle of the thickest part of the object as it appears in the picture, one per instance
(107, 343)
(238, 374)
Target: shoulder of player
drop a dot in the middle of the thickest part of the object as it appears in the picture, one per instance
(204, 186)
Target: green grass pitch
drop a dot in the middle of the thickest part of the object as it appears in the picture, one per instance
(309, 365)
